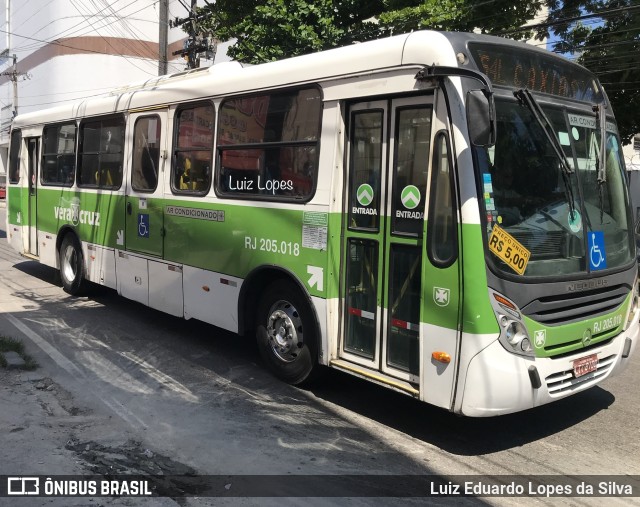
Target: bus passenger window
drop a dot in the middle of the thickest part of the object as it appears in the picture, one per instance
(101, 154)
(146, 154)
(59, 154)
(14, 156)
(193, 150)
(267, 145)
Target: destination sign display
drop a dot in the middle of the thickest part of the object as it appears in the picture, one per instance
(518, 68)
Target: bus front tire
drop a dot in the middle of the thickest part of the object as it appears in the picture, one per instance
(286, 334)
(71, 265)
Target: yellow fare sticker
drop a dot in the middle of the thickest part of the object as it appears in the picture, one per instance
(509, 249)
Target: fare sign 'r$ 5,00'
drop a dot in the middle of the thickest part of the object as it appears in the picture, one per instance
(509, 249)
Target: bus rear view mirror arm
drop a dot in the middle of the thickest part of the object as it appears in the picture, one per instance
(481, 112)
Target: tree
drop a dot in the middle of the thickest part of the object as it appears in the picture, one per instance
(605, 37)
(268, 30)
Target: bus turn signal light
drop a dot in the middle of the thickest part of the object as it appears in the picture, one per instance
(441, 357)
(504, 301)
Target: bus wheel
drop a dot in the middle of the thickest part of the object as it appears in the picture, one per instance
(71, 265)
(286, 333)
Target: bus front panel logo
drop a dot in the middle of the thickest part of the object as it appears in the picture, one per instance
(365, 194)
(441, 296)
(410, 197)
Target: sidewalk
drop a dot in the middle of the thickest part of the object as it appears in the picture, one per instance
(35, 412)
(41, 429)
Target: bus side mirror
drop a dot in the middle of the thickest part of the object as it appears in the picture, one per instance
(481, 118)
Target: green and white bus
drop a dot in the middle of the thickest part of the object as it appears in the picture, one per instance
(444, 214)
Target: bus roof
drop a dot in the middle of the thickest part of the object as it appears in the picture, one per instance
(231, 78)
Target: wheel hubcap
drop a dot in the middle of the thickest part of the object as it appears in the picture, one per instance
(284, 328)
(69, 263)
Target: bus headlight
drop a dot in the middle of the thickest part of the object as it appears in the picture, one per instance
(516, 336)
(513, 333)
(525, 346)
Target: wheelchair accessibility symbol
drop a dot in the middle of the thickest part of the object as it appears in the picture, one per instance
(597, 254)
(143, 225)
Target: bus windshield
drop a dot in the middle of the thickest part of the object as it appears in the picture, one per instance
(562, 220)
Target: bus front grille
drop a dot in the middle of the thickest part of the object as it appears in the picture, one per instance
(573, 307)
(564, 382)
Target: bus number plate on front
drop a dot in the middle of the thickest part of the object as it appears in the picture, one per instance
(585, 365)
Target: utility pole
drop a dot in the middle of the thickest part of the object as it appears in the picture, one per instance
(196, 43)
(13, 76)
(163, 37)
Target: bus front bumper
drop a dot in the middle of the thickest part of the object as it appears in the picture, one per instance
(498, 382)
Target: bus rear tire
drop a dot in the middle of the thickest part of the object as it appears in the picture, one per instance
(71, 265)
(286, 334)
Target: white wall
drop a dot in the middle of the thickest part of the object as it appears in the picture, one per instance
(111, 28)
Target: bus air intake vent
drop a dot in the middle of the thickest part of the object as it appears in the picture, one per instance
(564, 382)
(576, 306)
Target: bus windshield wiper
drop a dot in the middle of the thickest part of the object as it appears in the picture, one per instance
(524, 97)
(601, 121)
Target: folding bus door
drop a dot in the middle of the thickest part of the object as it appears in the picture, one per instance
(392, 290)
(33, 151)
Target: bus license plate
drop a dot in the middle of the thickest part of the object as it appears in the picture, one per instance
(585, 365)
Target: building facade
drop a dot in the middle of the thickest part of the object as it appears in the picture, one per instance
(53, 51)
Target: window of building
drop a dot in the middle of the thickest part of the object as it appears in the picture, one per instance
(193, 149)
(59, 154)
(268, 145)
(146, 154)
(636, 143)
(101, 153)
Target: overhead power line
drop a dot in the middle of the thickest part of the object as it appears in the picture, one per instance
(549, 24)
(197, 42)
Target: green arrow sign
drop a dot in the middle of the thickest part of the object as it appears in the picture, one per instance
(410, 197)
(365, 194)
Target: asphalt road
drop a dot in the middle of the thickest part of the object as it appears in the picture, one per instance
(123, 388)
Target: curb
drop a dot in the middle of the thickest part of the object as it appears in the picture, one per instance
(14, 360)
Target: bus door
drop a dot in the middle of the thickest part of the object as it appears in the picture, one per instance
(144, 226)
(32, 144)
(392, 289)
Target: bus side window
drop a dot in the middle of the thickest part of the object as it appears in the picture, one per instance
(193, 149)
(146, 154)
(267, 145)
(101, 154)
(14, 156)
(442, 237)
(58, 154)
